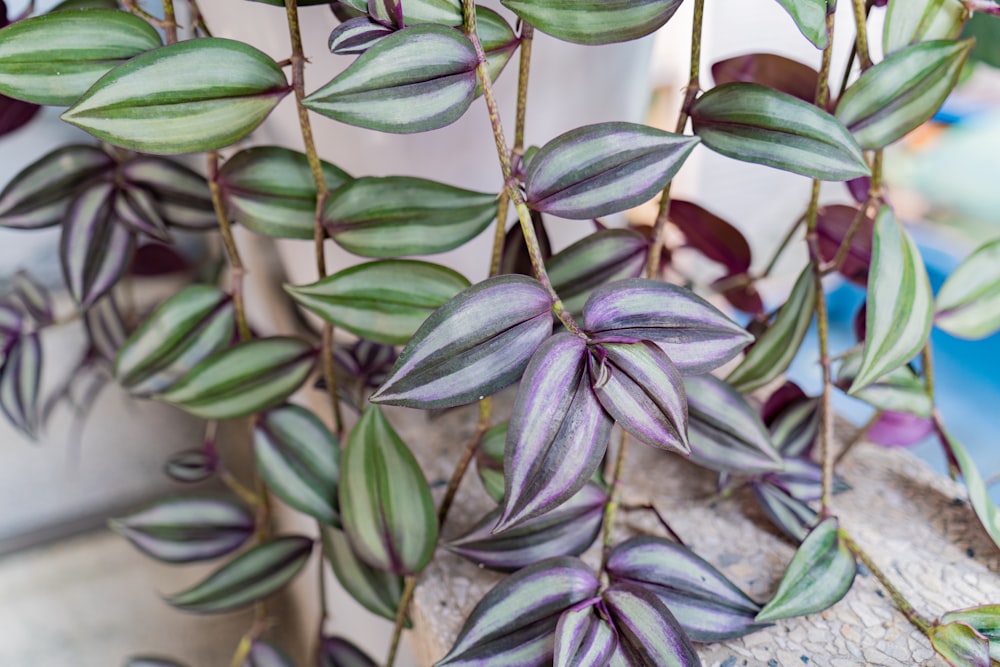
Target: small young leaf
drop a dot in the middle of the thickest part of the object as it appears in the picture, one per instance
(711, 236)
(138, 210)
(188, 529)
(190, 466)
(602, 169)
(902, 92)
(417, 79)
(19, 382)
(979, 496)
(603, 257)
(985, 620)
(913, 21)
(247, 378)
(820, 574)
(399, 215)
(252, 576)
(383, 301)
(810, 18)
(595, 21)
(377, 591)
(154, 104)
(338, 652)
(749, 122)
(473, 346)
(775, 349)
(968, 304)
(263, 654)
(182, 194)
(782, 74)
(583, 637)
(55, 58)
(489, 461)
(385, 502)
(299, 459)
(900, 302)
(648, 634)
(793, 517)
(960, 644)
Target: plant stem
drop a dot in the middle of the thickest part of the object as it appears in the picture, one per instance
(614, 498)
(133, 8)
(927, 360)
(861, 43)
(523, 72)
(397, 632)
(198, 19)
(232, 252)
(789, 235)
(694, 84)
(845, 245)
(650, 507)
(169, 22)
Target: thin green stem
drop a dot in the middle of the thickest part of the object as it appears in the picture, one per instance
(409, 588)
(694, 84)
(861, 42)
(847, 73)
(198, 19)
(169, 22)
(523, 73)
(927, 360)
(614, 499)
(780, 250)
(229, 242)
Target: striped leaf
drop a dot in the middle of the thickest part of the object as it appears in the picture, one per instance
(899, 390)
(791, 516)
(445, 12)
(979, 495)
(137, 209)
(55, 58)
(34, 297)
(377, 591)
(584, 637)
(985, 620)
(190, 466)
(384, 301)
(595, 21)
(339, 652)
(357, 35)
(960, 644)
(648, 634)
(968, 304)
(913, 21)
(154, 104)
(595, 260)
(810, 18)
(182, 194)
(20, 376)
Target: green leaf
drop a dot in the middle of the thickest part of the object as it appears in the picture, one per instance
(752, 123)
(985, 620)
(902, 92)
(810, 18)
(270, 190)
(900, 303)
(968, 304)
(254, 575)
(979, 495)
(399, 215)
(183, 194)
(820, 574)
(197, 95)
(899, 390)
(960, 645)
(376, 590)
(595, 21)
(445, 12)
(20, 376)
(384, 301)
(773, 352)
(913, 21)
(595, 260)
(416, 79)
(55, 58)
(489, 460)
(385, 502)
(246, 378)
(498, 39)
(299, 459)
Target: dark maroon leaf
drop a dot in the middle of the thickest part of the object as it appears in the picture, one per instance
(832, 226)
(859, 188)
(15, 114)
(156, 259)
(767, 69)
(780, 399)
(514, 258)
(711, 236)
(741, 293)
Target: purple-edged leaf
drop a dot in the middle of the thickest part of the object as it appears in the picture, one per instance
(15, 114)
(711, 236)
(568, 530)
(767, 69)
(968, 304)
(190, 466)
(299, 459)
(725, 432)
(584, 637)
(595, 21)
(642, 390)
(11, 319)
(188, 529)
(602, 169)
(979, 495)
(473, 346)
(820, 574)
(801, 479)
(960, 644)
(105, 328)
(514, 257)
(780, 399)
(899, 429)
(794, 429)
(773, 353)
(95, 250)
(254, 575)
(695, 334)
(263, 654)
(34, 297)
(792, 517)
(832, 226)
(183, 195)
(514, 624)
(489, 461)
(603, 257)
(385, 502)
(985, 620)
(339, 652)
(19, 382)
(151, 661)
(138, 209)
(377, 591)
(648, 634)
(558, 432)
(705, 603)
(859, 188)
(357, 35)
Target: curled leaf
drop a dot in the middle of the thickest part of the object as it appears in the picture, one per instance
(377, 591)
(985, 620)
(968, 304)
(648, 634)
(810, 18)
(584, 637)
(913, 21)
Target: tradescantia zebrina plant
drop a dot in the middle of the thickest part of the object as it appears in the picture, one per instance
(598, 336)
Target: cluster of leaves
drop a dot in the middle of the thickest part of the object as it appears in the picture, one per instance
(592, 343)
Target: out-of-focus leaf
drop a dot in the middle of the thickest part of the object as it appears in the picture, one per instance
(34, 297)
(182, 194)
(557, 435)
(399, 215)
(960, 644)
(417, 79)
(263, 654)
(338, 652)
(377, 591)
(20, 376)
(725, 432)
(357, 35)
(602, 169)
(899, 429)
(153, 104)
(514, 257)
(85, 4)
(752, 123)
(252, 576)
(695, 334)
(55, 58)
(820, 574)
(271, 190)
(711, 236)
(489, 461)
(383, 301)
(246, 378)
(445, 12)
(900, 302)
(190, 466)
(299, 459)
(741, 293)
(385, 502)
(968, 304)
(602, 257)
(793, 517)
(38, 195)
(985, 620)
(795, 427)
(514, 623)
(595, 21)
(11, 318)
(151, 661)
(184, 330)
(567, 530)
(902, 92)
(782, 74)
(187, 529)
(832, 225)
(899, 390)
(105, 328)
(801, 479)
(810, 18)
(707, 605)
(773, 353)
(979, 496)
(584, 637)
(15, 114)
(138, 209)
(648, 634)
(473, 346)
(913, 21)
